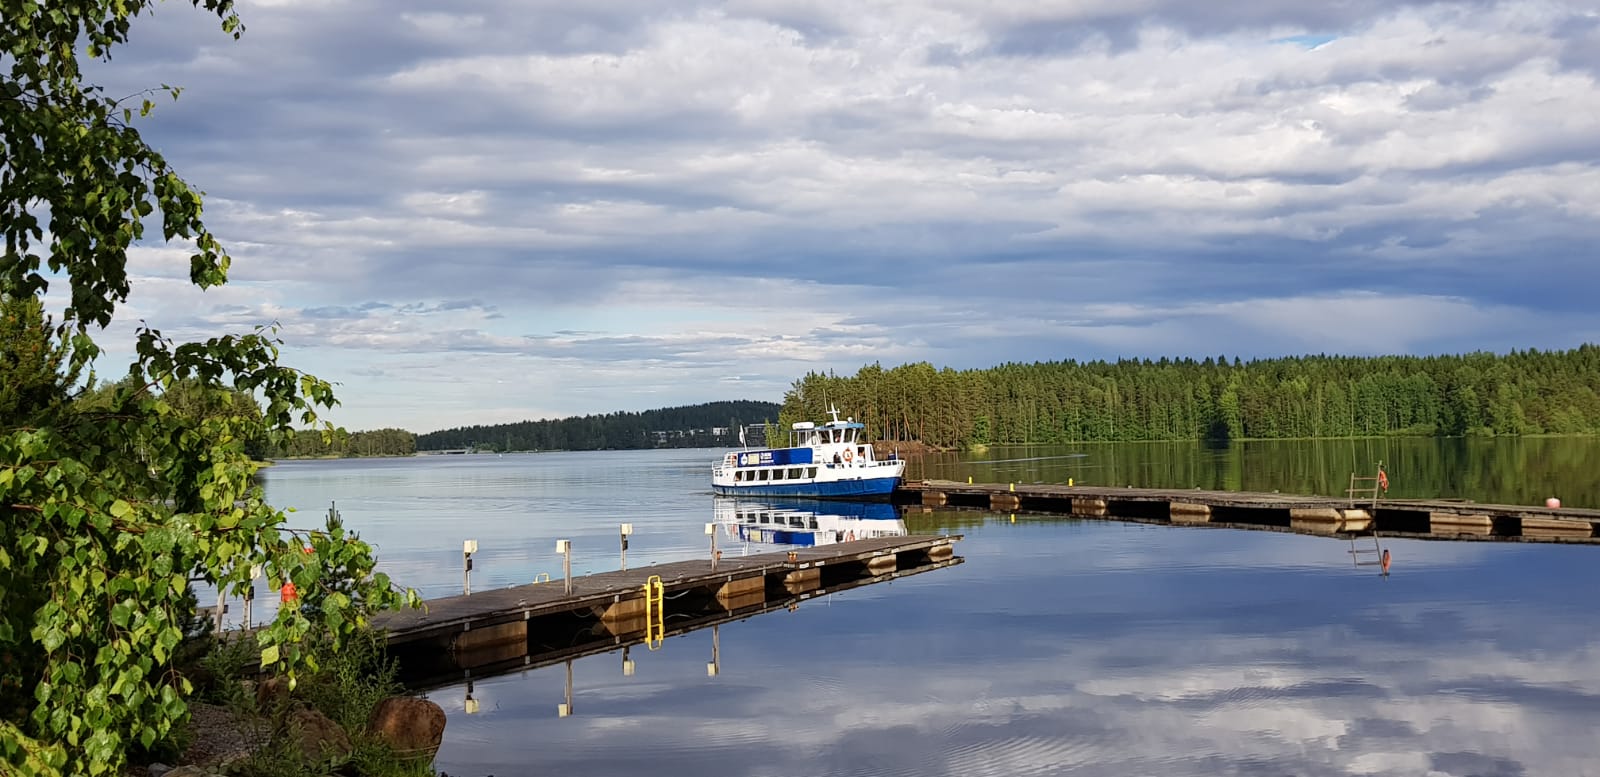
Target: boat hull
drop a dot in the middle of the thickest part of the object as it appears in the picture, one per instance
(864, 488)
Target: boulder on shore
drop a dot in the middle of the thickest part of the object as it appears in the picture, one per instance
(272, 695)
(412, 727)
(320, 739)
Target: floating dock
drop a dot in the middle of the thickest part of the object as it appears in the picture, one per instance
(431, 668)
(1421, 518)
(639, 601)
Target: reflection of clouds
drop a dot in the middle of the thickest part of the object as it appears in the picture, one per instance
(1479, 663)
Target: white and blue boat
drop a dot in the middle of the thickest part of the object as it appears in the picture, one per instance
(805, 523)
(828, 461)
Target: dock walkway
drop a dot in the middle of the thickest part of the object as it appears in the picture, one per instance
(618, 599)
(1429, 518)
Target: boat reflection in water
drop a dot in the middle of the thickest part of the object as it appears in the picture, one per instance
(804, 522)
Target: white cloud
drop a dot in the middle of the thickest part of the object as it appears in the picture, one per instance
(954, 181)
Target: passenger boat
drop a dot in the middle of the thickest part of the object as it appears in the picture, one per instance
(830, 460)
(805, 523)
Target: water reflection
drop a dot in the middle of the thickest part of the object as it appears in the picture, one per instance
(563, 639)
(1061, 646)
(1103, 648)
(803, 522)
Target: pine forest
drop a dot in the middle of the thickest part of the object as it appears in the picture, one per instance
(1520, 393)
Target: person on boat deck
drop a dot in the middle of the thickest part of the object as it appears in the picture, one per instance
(836, 459)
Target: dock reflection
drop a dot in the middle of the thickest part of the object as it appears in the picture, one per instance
(768, 522)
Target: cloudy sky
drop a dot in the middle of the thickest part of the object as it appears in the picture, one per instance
(482, 211)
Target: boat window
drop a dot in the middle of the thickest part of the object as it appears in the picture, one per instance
(794, 472)
(777, 474)
(738, 474)
(763, 475)
(811, 472)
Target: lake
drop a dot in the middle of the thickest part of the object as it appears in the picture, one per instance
(1060, 646)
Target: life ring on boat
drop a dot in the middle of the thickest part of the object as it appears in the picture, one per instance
(847, 455)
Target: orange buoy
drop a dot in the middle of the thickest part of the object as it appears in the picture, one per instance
(1553, 503)
(1385, 561)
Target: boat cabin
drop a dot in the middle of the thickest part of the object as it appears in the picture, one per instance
(806, 434)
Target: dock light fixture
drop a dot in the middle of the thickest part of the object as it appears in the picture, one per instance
(627, 529)
(469, 705)
(564, 547)
(250, 593)
(627, 663)
(468, 547)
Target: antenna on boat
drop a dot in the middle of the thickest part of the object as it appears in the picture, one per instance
(834, 411)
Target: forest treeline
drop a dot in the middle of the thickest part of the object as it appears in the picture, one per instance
(708, 425)
(343, 444)
(1519, 393)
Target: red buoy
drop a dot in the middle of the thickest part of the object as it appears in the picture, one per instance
(1385, 561)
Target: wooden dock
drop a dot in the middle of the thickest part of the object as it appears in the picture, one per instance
(425, 670)
(504, 619)
(1422, 518)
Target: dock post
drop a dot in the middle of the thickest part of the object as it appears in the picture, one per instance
(250, 594)
(468, 547)
(627, 529)
(715, 667)
(564, 547)
(222, 604)
(711, 531)
(563, 710)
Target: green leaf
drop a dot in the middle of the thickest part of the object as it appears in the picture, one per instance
(269, 656)
(54, 638)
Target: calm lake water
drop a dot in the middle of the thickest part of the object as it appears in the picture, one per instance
(1059, 647)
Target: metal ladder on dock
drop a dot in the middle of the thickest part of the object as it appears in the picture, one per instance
(655, 616)
(1367, 489)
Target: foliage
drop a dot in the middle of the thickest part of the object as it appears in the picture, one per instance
(225, 662)
(32, 363)
(108, 508)
(673, 427)
(339, 443)
(347, 686)
(1526, 392)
